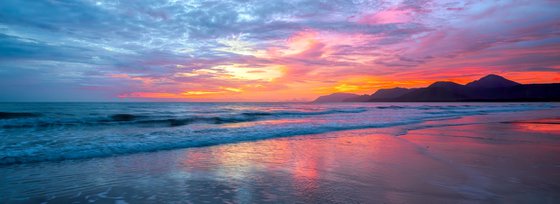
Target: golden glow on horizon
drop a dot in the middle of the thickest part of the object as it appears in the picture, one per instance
(346, 88)
(232, 89)
(238, 71)
(307, 91)
(284, 73)
(188, 93)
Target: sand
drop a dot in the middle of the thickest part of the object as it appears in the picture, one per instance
(478, 161)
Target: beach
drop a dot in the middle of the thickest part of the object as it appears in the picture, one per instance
(496, 158)
(279, 101)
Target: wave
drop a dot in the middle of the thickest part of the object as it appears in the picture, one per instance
(390, 107)
(13, 115)
(192, 120)
(87, 151)
(124, 117)
(131, 120)
(305, 113)
(161, 121)
(58, 144)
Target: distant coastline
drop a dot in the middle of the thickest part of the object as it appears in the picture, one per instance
(491, 88)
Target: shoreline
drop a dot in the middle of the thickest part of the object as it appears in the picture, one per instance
(112, 150)
(482, 160)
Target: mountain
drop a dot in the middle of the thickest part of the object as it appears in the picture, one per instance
(431, 94)
(492, 81)
(438, 91)
(360, 98)
(390, 93)
(335, 97)
(380, 94)
(489, 88)
(445, 85)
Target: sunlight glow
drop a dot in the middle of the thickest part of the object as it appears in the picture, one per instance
(239, 71)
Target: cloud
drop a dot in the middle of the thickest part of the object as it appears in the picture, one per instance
(275, 49)
(542, 69)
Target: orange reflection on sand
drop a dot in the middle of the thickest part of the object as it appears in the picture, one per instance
(305, 167)
(541, 126)
(304, 158)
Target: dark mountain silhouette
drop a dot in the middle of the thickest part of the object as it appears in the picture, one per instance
(360, 98)
(488, 88)
(381, 94)
(492, 81)
(391, 93)
(445, 85)
(335, 97)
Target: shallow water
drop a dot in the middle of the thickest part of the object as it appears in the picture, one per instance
(39, 132)
(489, 162)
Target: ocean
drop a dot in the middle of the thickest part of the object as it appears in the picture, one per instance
(46, 132)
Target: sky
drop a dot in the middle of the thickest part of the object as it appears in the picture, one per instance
(244, 50)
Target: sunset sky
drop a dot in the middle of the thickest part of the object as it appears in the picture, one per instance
(264, 50)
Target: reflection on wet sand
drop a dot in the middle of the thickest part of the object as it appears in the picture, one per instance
(543, 125)
(484, 162)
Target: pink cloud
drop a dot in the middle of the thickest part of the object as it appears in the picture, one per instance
(393, 15)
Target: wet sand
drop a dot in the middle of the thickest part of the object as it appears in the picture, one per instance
(479, 161)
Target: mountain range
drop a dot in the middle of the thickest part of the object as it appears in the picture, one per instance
(491, 88)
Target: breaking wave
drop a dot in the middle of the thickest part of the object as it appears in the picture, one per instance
(56, 132)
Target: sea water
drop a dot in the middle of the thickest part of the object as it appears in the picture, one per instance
(46, 132)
